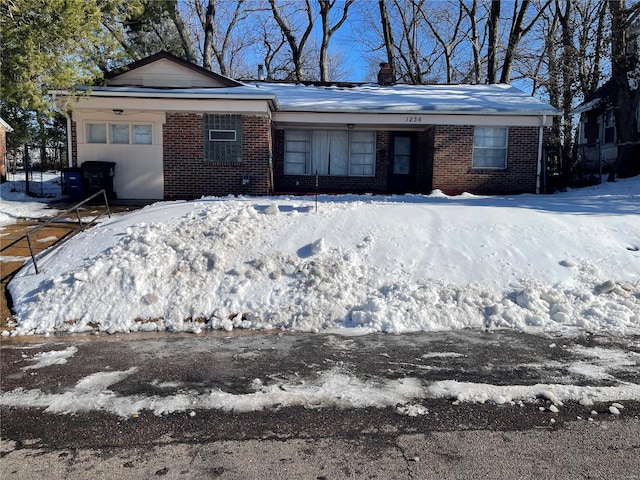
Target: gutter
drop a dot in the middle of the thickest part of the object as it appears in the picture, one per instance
(54, 94)
(177, 95)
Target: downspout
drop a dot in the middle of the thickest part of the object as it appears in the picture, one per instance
(540, 137)
(69, 140)
(54, 97)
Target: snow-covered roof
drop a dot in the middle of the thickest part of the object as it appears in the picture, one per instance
(425, 99)
(497, 99)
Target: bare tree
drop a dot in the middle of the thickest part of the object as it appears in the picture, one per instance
(438, 21)
(273, 42)
(328, 31)
(472, 12)
(183, 32)
(590, 16)
(568, 70)
(387, 32)
(409, 51)
(219, 21)
(287, 27)
(517, 31)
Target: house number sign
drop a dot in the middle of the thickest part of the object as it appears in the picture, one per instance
(413, 120)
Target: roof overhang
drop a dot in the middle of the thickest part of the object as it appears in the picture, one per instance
(235, 99)
(402, 121)
(585, 107)
(6, 126)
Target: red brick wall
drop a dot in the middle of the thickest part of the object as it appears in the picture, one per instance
(452, 162)
(186, 173)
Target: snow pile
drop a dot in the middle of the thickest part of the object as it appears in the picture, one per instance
(359, 264)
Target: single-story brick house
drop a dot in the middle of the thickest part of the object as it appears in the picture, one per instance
(177, 131)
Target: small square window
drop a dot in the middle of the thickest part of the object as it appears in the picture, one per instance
(119, 133)
(142, 134)
(96, 133)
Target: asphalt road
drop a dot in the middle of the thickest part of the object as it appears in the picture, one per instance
(446, 439)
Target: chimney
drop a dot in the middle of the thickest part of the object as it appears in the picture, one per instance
(260, 72)
(385, 75)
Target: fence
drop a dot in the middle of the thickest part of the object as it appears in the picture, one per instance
(37, 171)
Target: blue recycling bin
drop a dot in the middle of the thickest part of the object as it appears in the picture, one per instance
(74, 183)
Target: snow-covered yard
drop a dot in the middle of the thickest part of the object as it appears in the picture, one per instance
(358, 264)
(17, 204)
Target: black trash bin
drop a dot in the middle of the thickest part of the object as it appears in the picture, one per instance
(74, 183)
(99, 175)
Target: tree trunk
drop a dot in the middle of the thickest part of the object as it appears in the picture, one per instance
(207, 49)
(568, 59)
(327, 33)
(492, 49)
(183, 32)
(515, 34)
(475, 41)
(295, 46)
(627, 163)
(387, 33)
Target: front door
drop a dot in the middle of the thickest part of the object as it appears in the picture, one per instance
(401, 165)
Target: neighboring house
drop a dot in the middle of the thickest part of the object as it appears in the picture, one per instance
(4, 128)
(178, 131)
(597, 138)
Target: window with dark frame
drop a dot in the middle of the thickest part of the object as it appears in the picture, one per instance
(222, 137)
(609, 127)
(330, 152)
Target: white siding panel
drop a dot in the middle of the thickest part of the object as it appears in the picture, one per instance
(164, 73)
(139, 171)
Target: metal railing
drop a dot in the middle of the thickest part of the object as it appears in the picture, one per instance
(76, 209)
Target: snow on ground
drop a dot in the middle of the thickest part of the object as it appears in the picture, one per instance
(359, 264)
(17, 204)
(331, 388)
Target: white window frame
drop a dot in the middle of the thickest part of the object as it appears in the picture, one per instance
(108, 126)
(289, 166)
(477, 149)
